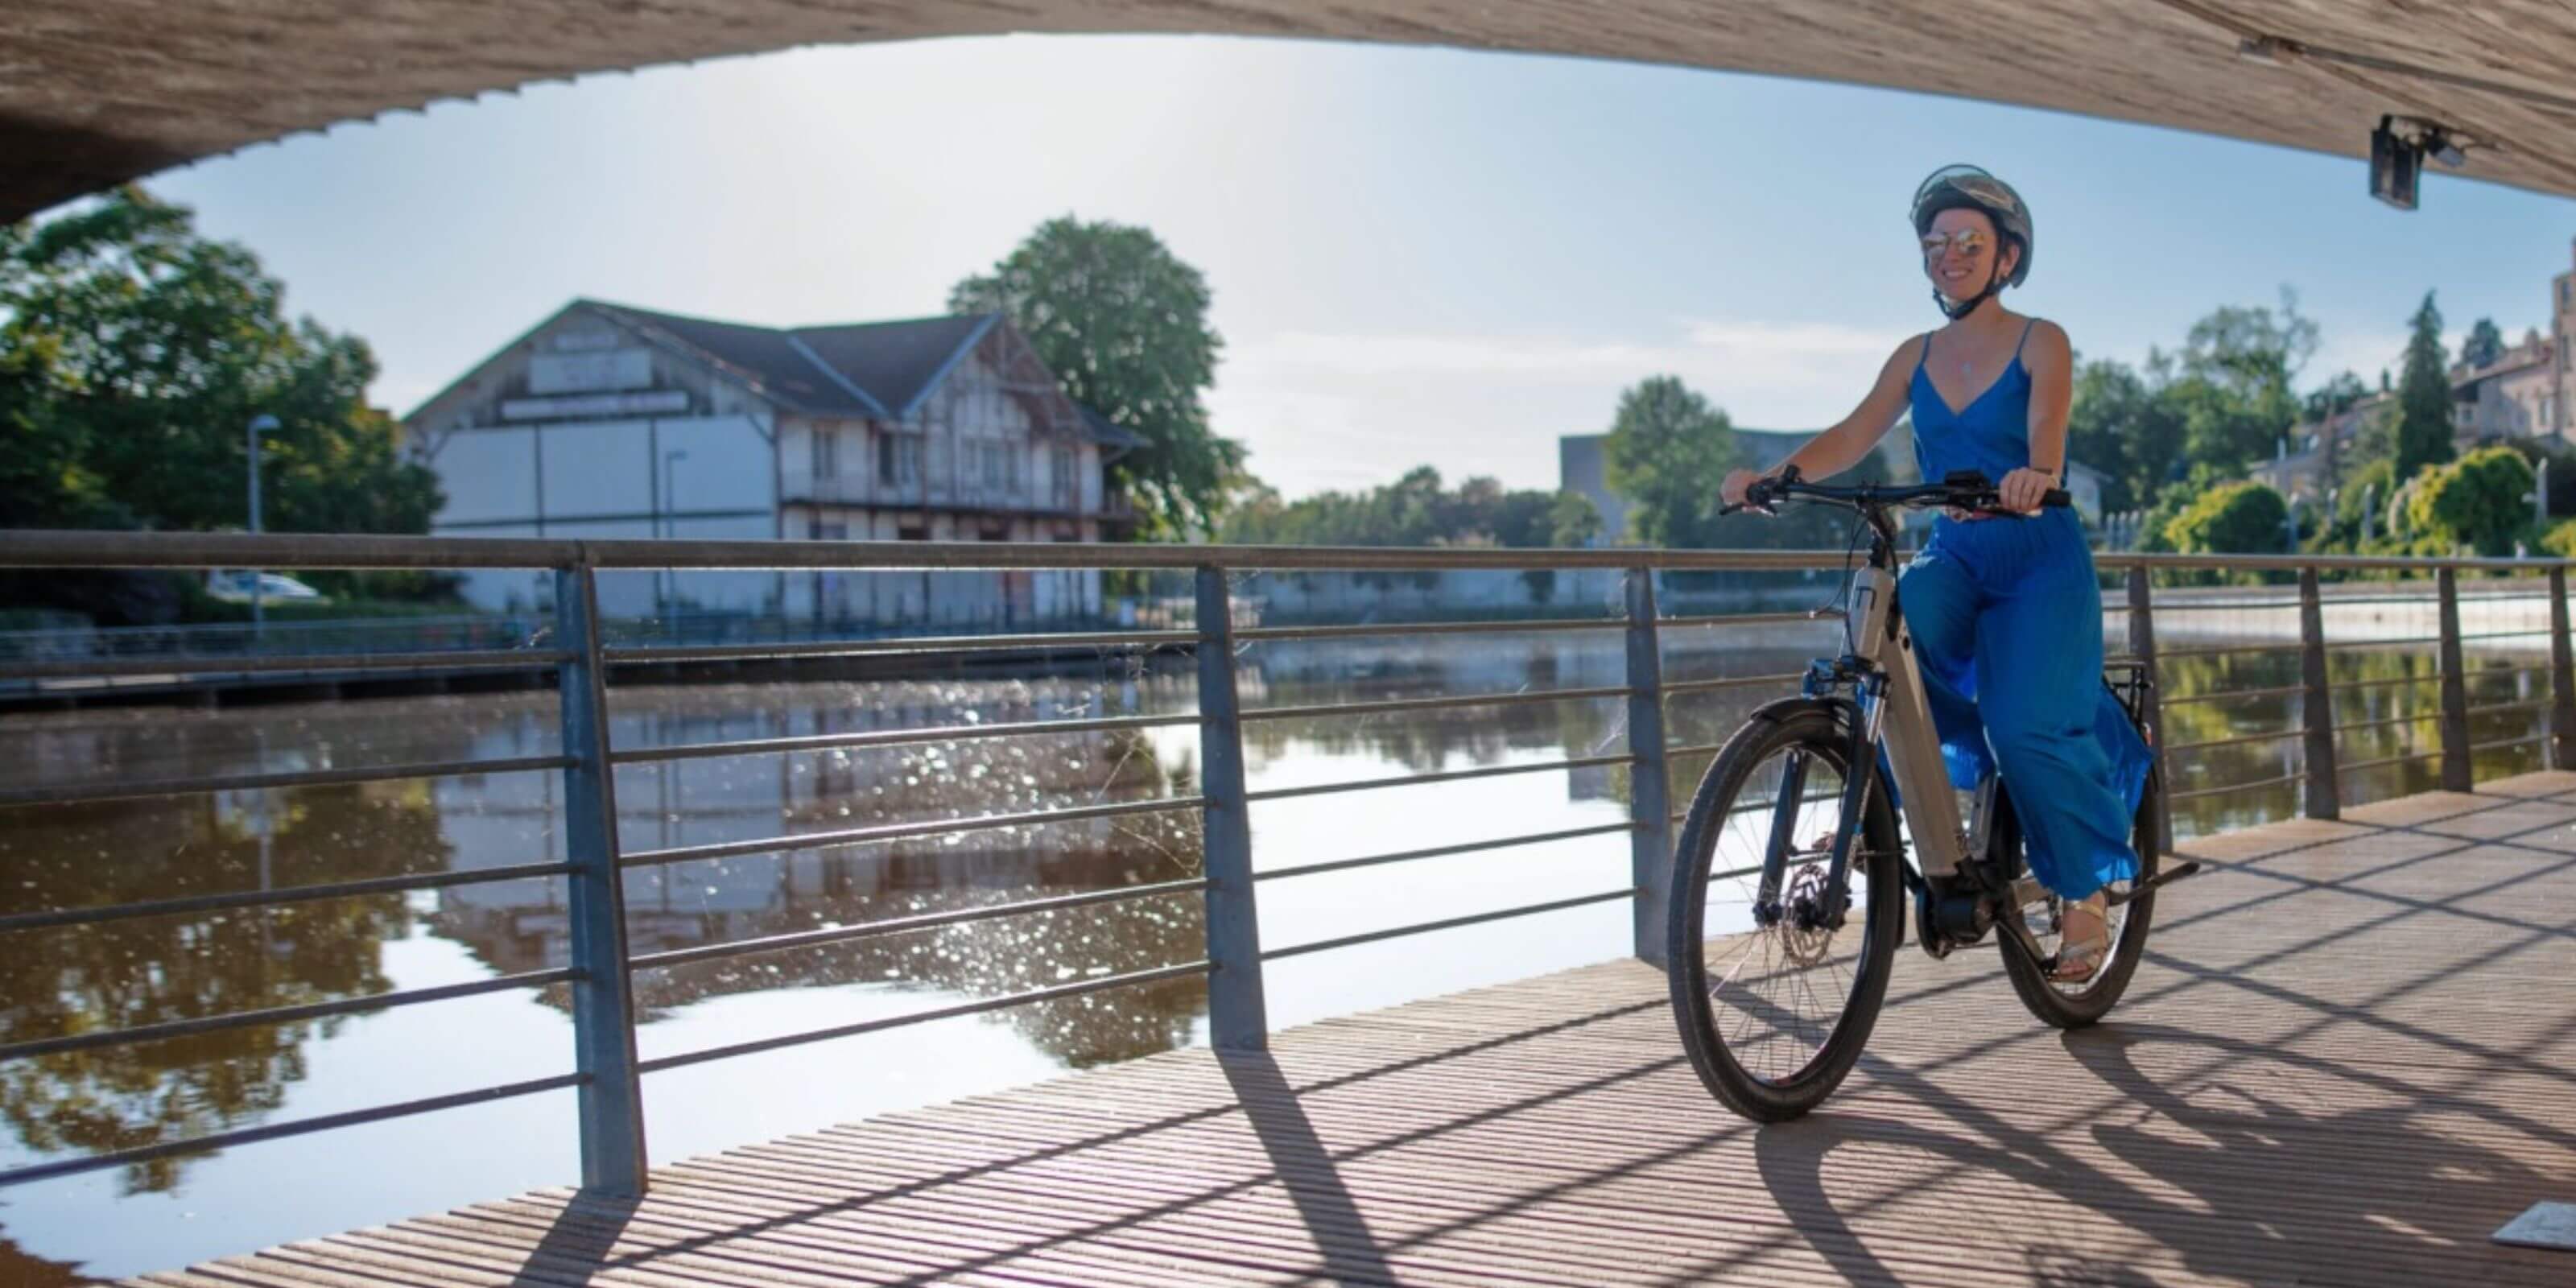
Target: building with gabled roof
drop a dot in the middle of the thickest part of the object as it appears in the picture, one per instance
(610, 421)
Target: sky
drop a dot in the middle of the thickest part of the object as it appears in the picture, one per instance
(1416, 255)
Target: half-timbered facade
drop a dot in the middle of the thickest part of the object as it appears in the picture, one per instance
(615, 422)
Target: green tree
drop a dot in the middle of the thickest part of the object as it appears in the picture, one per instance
(2120, 427)
(2360, 501)
(2336, 396)
(1668, 451)
(1573, 520)
(134, 352)
(2233, 519)
(2476, 501)
(2561, 539)
(2424, 396)
(2234, 393)
(1123, 324)
(2484, 345)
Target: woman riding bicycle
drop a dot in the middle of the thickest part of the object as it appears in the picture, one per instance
(2005, 610)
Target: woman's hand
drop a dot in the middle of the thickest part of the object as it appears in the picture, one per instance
(2024, 489)
(1732, 490)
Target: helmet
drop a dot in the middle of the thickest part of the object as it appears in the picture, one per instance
(1965, 187)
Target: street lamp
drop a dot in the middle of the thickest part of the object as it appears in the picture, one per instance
(671, 519)
(261, 424)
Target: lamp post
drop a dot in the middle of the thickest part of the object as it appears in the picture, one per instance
(260, 424)
(670, 524)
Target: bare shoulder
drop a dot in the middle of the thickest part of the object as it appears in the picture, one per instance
(1900, 364)
(2049, 345)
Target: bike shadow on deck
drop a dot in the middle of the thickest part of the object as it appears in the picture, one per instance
(2238, 1158)
(2246, 1185)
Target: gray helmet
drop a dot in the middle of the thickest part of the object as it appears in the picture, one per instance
(1966, 187)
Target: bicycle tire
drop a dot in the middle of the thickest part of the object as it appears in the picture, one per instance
(1818, 728)
(2058, 1007)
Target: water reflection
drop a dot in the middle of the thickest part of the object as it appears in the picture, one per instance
(128, 973)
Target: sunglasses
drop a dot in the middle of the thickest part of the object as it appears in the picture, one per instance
(1969, 243)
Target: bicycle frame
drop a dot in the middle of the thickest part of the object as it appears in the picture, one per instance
(1907, 737)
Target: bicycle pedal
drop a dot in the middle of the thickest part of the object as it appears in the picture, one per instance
(2183, 872)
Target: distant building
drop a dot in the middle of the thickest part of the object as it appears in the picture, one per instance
(2514, 396)
(1582, 465)
(2316, 456)
(615, 422)
(2561, 412)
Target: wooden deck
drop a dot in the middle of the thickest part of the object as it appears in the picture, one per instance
(2350, 1057)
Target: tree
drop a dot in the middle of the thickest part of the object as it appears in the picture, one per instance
(2476, 501)
(2119, 427)
(1668, 451)
(1573, 520)
(1415, 510)
(2232, 519)
(2234, 394)
(2424, 396)
(133, 354)
(2484, 345)
(2335, 397)
(1123, 324)
(2560, 540)
(2359, 502)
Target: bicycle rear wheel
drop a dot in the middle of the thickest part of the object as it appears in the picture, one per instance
(1775, 1016)
(2074, 1006)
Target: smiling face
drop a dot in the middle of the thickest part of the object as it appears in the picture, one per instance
(1961, 253)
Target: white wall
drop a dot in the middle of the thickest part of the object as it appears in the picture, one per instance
(487, 474)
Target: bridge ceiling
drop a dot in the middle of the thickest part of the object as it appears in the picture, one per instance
(96, 92)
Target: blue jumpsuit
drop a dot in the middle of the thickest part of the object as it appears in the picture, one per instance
(2007, 622)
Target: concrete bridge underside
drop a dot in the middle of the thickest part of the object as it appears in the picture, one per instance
(96, 92)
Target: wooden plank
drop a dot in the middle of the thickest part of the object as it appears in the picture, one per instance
(2332, 1067)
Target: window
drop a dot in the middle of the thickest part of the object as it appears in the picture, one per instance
(898, 460)
(1068, 490)
(991, 457)
(827, 452)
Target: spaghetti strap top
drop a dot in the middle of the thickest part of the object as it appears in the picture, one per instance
(1991, 434)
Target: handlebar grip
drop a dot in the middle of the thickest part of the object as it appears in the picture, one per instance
(2057, 496)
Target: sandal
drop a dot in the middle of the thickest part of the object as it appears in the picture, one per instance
(2078, 958)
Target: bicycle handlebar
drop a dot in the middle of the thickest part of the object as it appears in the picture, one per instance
(1964, 491)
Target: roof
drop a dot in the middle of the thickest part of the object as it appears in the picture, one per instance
(101, 93)
(1109, 433)
(855, 369)
(2530, 353)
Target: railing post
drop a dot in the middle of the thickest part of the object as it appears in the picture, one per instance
(2562, 676)
(2458, 774)
(2142, 643)
(2316, 706)
(1650, 854)
(603, 1004)
(1238, 1015)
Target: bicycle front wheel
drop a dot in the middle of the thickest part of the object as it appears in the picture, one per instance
(1775, 1016)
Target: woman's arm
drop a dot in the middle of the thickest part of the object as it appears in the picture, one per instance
(1849, 442)
(2050, 360)
(1842, 447)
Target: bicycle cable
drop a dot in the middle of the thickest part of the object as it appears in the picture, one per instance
(1840, 604)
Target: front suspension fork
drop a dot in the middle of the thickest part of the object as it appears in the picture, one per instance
(1860, 760)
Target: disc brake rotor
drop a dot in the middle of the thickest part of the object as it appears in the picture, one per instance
(1805, 906)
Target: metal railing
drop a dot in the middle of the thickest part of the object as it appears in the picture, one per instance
(607, 1072)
